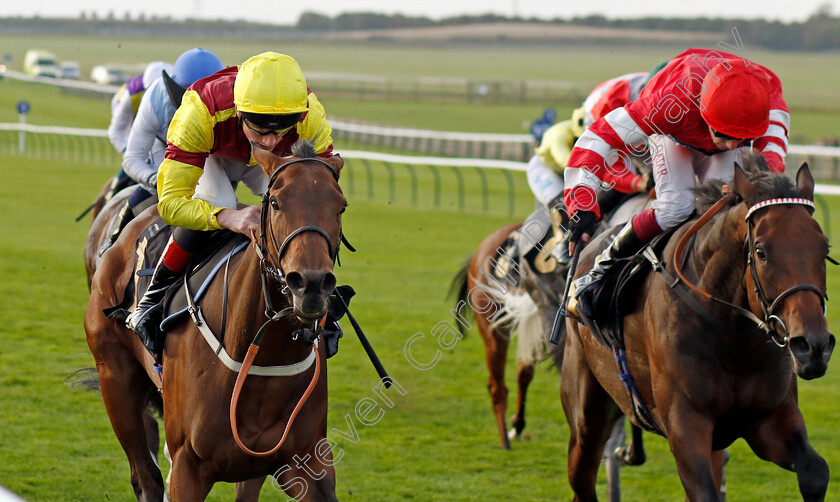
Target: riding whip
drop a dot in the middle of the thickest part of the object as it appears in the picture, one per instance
(93, 205)
(561, 312)
(377, 364)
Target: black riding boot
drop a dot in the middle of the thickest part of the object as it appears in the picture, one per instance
(125, 216)
(147, 316)
(625, 244)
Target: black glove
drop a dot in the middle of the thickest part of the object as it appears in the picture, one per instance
(335, 311)
(582, 222)
(650, 182)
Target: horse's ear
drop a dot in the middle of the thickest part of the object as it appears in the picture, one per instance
(336, 161)
(805, 182)
(267, 160)
(743, 186)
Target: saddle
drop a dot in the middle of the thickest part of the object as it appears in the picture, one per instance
(221, 247)
(616, 294)
(149, 247)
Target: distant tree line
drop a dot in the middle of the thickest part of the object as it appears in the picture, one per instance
(821, 31)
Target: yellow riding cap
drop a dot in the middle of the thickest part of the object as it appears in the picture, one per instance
(272, 84)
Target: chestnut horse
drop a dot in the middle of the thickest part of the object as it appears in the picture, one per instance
(275, 291)
(716, 357)
(102, 221)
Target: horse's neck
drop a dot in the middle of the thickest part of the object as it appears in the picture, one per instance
(718, 260)
(247, 306)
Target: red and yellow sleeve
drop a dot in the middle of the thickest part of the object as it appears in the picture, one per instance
(189, 141)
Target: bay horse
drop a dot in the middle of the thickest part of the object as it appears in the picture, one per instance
(276, 290)
(716, 358)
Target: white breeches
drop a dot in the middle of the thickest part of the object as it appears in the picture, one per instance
(676, 170)
(544, 182)
(218, 183)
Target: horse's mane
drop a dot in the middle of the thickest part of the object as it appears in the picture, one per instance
(304, 149)
(769, 183)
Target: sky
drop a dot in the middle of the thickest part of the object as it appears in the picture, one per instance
(287, 12)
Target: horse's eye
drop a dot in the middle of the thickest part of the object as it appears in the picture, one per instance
(759, 252)
(275, 205)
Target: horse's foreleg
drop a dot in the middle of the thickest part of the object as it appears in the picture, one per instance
(187, 481)
(150, 425)
(306, 483)
(590, 413)
(783, 440)
(523, 379)
(249, 491)
(612, 461)
(495, 352)
(690, 439)
(123, 392)
(719, 459)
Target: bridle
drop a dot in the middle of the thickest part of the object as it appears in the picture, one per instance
(270, 267)
(768, 307)
(771, 324)
(270, 263)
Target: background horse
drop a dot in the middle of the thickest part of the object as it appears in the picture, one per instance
(477, 276)
(103, 220)
(302, 209)
(708, 379)
(527, 308)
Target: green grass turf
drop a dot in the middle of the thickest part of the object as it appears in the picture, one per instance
(438, 443)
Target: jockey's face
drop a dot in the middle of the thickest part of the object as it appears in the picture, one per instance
(265, 139)
(724, 142)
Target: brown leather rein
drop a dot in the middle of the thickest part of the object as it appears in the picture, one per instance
(270, 266)
(771, 324)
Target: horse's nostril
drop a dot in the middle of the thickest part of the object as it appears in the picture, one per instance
(295, 281)
(329, 283)
(829, 348)
(799, 347)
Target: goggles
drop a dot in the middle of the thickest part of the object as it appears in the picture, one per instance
(261, 131)
(727, 137)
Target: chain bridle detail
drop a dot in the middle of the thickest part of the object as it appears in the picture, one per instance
(773, 324)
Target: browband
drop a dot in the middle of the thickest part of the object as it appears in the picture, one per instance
(774, 202)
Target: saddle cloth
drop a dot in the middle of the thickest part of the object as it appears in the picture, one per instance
(204, 266)
(536, 238)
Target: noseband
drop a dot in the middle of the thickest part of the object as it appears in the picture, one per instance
(772, 324)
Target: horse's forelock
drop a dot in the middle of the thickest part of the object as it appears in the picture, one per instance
(304, 149)
(770, 184)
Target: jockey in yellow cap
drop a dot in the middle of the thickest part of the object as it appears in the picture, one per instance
(264, 102)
